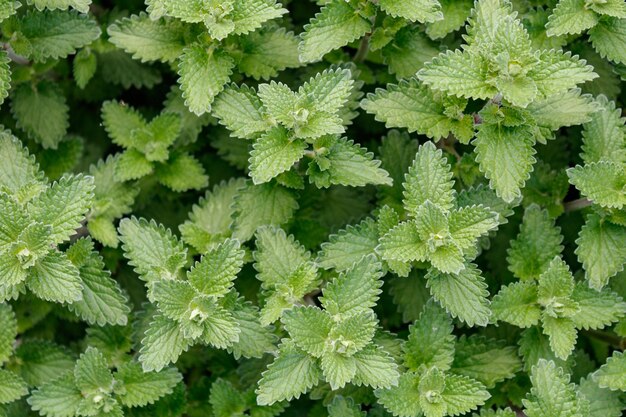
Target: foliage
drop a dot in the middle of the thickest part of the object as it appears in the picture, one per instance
(330, 208)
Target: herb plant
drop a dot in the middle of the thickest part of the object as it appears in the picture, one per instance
(324, 208)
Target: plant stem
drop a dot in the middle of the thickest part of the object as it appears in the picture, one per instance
(576, 205)
(611, 339)
(364, 47)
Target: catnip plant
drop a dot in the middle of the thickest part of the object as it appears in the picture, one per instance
(324, 208)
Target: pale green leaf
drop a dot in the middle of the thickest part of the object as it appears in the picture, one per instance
(601, 249)
(64, 205)
(375, 368)
(403, 400)
(505, 156)
(571, 17)
(41, 111)
(102, 299)
(349, 245)
(464, 295)
(537, 243)
(463, 394)
(259, 205)
(147, 39)
(203, 74)
(241, 111)
(598, 309)
(151, 249)
(602, 182)
(182, 172)
(309, 328)
(604, 136)
(43, 361)
(609, 39)
(138, 388)
(292, 373)
(274, 153)
(163, 343)
(552, 394)
(8, 323)
(485, 360)
(266, 52)
(336, 25)
(612, 374)
(517, 304)
(55, 278)
(59, 398)
(557, 72)
(217, 269)
(430, 342)
(423, 11)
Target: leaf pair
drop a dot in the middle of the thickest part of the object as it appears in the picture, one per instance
(561, 305)
(148, 148)
(92, 389)
(334, 343)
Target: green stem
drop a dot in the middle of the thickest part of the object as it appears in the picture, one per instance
(576, 205)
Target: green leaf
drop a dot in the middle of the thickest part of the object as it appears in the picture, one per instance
(612, 374)
(210, 219)
(455, 13)
(412, 105)
(92, 372)
(598, 309)
(55, 278)
(102, 299)
(601, 249)
(147, 39)
(409, 50)
(557, 72)
(571, 17)
(174, 298)
(464, 296)
(342, 407)
(151, 249)
(604, 135)
(217, 269)
(203, 74)
(463, 394)
(8, 323)
(182, 172)
(568, 108)
(5, 76)
(138, 388)
(254, 339)
(120, 120)
(517, 304)
(430, 342)
(375, 368)
(292, 373)
(469, 223)
(402, 400)
(274, 153)
(63, 206)
(463, 74)
(609, 39)
(41, 112)
(59, 398)
(423, 11)
(20, 177)
(602, 402)
(349, 245)
(266, 52)
(537, 243)
(347, 164)
(505, 156)
(54, 34)
(240, 110)
(562, 334)
(485, 360)
(80, 5)
(84, 67)
(336, 25)
(43, 361)
(225, 399)
(259, 205)
(403, 243)
(552, 394)
(309, 327)
(355, 290)
(602, 182)
(12, 387)
(163, 343)
(132, 165)
(428, 179)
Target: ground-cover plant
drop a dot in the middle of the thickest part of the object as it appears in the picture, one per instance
(342, 208)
